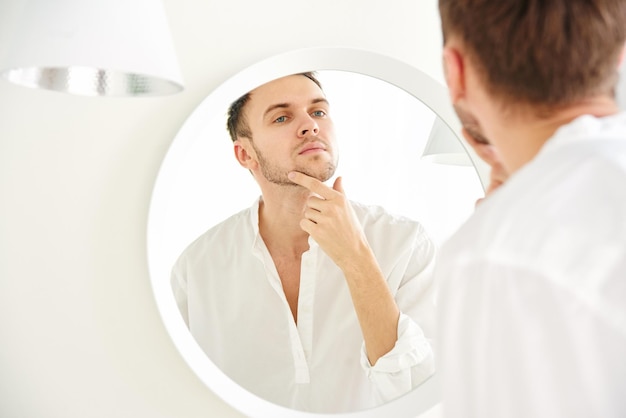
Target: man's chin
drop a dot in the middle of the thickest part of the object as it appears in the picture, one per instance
(321, 175)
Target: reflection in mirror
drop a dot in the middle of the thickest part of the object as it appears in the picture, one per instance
(382, 133)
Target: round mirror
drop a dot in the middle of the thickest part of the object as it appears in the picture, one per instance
(397, 150)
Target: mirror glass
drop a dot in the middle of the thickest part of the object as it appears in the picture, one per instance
(382, 132)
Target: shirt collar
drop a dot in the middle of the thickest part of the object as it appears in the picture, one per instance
(586, 126)
(254, 223)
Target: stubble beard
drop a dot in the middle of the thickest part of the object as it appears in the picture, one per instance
(278, 175)
(471, 125)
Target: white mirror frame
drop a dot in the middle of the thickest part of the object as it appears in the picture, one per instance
(426, 89)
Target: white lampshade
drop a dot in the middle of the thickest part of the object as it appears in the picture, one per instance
(93, 48)
(444, 147)
(621, 88)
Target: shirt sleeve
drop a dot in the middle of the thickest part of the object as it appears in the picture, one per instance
(411, 361)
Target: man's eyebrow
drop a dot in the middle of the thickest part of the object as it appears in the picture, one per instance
(286, 105)
(320, 100)
(275, 106)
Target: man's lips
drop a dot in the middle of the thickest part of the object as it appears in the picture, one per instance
(312, 147)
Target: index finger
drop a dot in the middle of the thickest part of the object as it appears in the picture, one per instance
(312, 184)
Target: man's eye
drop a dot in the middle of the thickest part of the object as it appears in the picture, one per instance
(319, 113)
(280, 119)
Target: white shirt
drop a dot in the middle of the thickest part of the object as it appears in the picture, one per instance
(532, 303)
(231, 297)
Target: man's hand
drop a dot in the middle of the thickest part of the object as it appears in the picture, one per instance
(488, 153)
(330, 220)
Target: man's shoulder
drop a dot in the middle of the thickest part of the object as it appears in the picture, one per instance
(232, 230)
(377, 217)
(395, 239)
(376, 212)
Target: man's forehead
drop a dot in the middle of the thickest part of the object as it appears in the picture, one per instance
(288, 79)
(285, 91)
(289, 86)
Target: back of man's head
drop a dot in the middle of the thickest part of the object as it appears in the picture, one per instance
(540, 52)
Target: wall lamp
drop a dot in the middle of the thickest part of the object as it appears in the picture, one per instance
(93, 48)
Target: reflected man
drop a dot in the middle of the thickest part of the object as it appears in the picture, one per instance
(308, 299)
(532, 287)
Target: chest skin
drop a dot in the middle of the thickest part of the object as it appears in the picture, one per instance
(288, 268)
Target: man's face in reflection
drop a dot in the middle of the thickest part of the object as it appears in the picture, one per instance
(470, 123)
(291, 130)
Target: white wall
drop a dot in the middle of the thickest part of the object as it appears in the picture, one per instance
(80, 335)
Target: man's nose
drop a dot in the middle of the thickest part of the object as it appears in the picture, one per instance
(308, 127)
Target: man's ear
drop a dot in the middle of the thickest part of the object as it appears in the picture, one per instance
(244, 153)
(454, 71)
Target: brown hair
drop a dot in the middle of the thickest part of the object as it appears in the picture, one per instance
(236, 122)
(541, 52)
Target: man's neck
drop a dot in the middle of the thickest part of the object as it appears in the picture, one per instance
(280, 213)
(519, 138)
